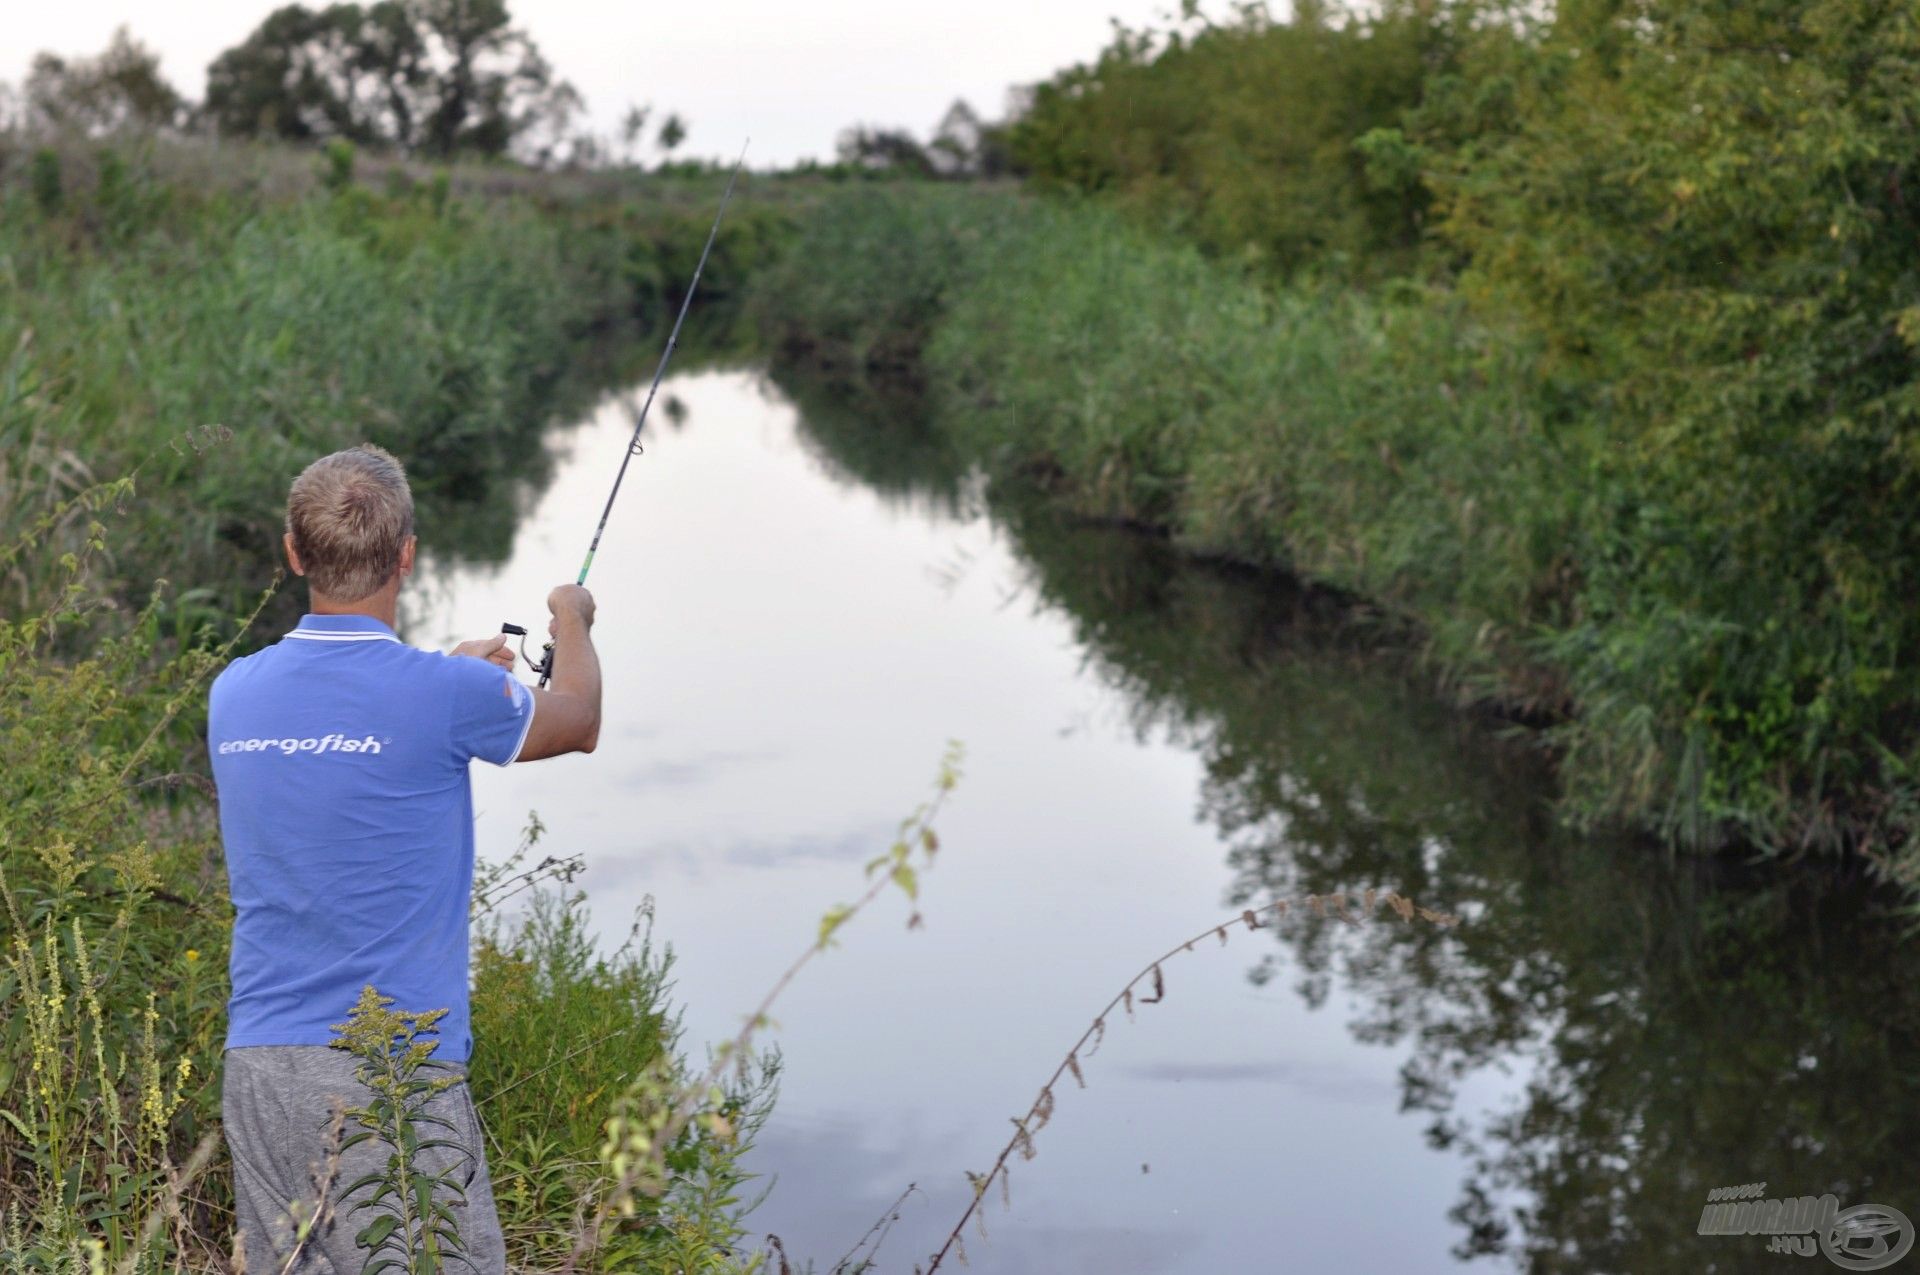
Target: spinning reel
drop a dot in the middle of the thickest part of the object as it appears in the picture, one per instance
(544, 665)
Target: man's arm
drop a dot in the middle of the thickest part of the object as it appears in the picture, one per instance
(566, 719)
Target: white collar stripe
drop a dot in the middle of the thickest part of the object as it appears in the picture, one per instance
(325, 635)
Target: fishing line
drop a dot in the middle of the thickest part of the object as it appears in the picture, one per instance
(544, 665)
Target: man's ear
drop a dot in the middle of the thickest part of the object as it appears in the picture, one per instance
(293, 559)
(406, 555)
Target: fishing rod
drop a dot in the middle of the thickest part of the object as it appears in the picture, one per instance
(544, 665)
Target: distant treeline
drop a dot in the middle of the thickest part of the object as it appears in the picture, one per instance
(1587, 340)
(424, 79)
(420, 78)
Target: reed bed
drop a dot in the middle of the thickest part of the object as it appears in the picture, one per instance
(1416, 451)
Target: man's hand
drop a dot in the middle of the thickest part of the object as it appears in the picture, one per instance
(494, 650)
(567, 718)
(571, 600)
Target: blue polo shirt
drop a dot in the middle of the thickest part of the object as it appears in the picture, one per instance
(341, 756)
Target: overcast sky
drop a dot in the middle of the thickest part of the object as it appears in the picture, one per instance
(789, 74)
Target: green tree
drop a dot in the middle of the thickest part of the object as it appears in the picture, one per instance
(955, 148)
(494, 79)
(428, 76)
(1707, 209)
(1242, 132)
(307, 75)
(121, 88)
(633, 127)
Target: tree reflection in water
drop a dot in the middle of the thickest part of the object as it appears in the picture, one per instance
(1688, 1023)
(1685, 1023)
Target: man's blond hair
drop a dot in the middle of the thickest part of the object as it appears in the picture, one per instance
(350, 515)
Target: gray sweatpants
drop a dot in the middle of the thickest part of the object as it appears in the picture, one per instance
(276, 1103)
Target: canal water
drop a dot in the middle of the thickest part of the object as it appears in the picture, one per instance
(801, 601)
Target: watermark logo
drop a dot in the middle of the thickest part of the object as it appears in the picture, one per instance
(1866, 1237)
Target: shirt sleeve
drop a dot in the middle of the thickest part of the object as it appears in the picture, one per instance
(492, 711)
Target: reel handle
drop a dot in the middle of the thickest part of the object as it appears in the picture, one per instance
(544, 665)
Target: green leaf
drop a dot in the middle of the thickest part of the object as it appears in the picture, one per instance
(376, 1231)
(835, 918)
(423, 1196)
(368, 1180)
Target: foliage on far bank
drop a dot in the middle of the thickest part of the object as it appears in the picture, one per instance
(1702, 214)
(1432, 456)
(1623, 415)
(1250, 135)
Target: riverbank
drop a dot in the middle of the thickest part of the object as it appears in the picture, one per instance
(1400, 445)
(113, 984)
(177, 338)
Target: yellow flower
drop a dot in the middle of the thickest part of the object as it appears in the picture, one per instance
(192, 955)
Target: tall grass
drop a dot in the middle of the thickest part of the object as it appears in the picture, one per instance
(135, 312)
(1401, 446)
(562, 1027)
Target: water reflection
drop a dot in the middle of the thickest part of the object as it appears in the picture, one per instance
(880, 437)
(801, 605)
(472, 494)
(1687, 1024)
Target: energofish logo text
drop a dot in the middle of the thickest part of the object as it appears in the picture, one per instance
(324, 744)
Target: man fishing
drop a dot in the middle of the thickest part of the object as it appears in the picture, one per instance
(341, 757)
(341, 760)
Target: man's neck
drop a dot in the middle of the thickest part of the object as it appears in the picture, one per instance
(382, 606)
